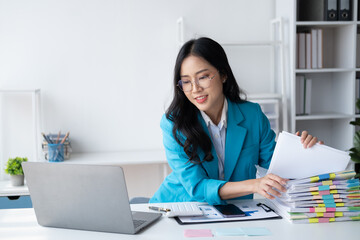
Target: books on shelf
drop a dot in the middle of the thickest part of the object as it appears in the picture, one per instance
(357, 93)
(310, 49)
(301, 50)
(319, 48)
(358, 50)
(328, 197)
(303, 95)
(314, 42)
(300, 94)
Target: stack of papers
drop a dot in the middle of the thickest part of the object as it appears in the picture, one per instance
(291, 160)
(323, 198)
(330, 195)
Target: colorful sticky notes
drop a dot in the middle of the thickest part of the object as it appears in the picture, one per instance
(229, 232)
(256, 231)
(198, 233)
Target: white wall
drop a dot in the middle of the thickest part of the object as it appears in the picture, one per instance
(104, 67)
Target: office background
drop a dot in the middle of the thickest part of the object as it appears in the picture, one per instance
(105, 67)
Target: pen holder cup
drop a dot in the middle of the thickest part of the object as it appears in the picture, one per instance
(56, 152)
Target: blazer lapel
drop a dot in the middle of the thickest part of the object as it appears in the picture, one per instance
(211, 167)
(235, 136)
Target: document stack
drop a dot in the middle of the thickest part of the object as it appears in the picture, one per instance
(332, 197)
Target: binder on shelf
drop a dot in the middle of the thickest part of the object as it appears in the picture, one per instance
(300, 94)
(307, 102)
(303, 95)
(331, 13)
(308, 50)
(357, 93)
(344, 10)
(301, 53)
(311, 10)
(319, 48)
(358, 50)
(314, 48)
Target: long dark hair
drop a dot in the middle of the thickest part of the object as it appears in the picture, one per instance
(183, 113)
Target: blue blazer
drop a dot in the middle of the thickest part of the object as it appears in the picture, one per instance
(249, 142)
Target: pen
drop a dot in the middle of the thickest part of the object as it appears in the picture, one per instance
(160, 209)
(46, 138)
(62, 141)
(58, 137)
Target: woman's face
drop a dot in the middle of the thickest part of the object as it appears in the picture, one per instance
(210, 99)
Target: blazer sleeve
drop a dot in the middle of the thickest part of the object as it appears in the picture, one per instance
(267, 140)
(192, 176)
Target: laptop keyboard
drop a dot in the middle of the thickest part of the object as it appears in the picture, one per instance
(138, 223)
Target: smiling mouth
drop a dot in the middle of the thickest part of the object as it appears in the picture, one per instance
(201, 99)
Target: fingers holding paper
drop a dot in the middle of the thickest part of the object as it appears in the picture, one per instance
(308, 140)
(271, 185)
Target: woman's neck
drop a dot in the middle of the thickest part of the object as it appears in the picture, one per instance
(215, 113)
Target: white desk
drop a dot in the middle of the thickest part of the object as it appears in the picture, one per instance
(16, 224)
(6, 189)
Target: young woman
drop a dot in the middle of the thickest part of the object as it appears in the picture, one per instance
(213, 138)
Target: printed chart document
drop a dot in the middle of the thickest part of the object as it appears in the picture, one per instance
(291, 160)
(249, 207)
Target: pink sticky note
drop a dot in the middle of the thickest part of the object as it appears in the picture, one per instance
(198, 233)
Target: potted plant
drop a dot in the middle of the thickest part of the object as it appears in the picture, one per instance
(355, 150)
(14, 168)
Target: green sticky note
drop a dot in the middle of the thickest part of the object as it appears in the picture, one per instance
(229, 232)
(257, 231)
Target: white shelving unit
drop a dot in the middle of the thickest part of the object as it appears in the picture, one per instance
(36, 123)
(271, 108)
(274, 103)
(333, 86)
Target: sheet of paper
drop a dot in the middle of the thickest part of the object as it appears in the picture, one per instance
(292, 160)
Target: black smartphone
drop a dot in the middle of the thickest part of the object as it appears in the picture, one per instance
(230, 210)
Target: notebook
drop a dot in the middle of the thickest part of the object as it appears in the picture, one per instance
(86, 197)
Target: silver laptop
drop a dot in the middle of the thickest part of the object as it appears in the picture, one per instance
(86, 197)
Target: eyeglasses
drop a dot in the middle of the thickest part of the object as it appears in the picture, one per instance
(203, 82)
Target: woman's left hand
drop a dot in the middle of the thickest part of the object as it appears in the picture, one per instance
(307, 140)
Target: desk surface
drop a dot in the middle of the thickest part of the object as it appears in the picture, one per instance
(19, 224)
(6, 189)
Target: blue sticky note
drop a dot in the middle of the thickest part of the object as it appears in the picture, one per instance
(229, 232)
(259, 231)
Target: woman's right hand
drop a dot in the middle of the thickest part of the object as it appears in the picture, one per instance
(270, 184)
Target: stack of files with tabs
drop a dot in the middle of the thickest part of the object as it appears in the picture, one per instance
(320, 189)
(332, 197)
